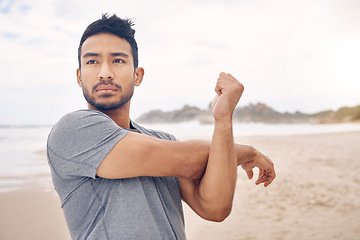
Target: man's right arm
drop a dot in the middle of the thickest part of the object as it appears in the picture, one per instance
(141, 155)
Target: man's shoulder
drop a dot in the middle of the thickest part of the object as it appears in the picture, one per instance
(81, 117)
(82, 114)
(81, 122)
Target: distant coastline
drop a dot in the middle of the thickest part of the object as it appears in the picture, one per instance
(258, 112)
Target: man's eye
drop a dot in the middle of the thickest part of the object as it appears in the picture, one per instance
(91, 62)
(119, 61)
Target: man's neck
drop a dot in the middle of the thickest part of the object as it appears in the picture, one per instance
(121, 116)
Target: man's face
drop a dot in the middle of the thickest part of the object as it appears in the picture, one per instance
(107, 74)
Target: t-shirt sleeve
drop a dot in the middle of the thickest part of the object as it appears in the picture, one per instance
(80, 141)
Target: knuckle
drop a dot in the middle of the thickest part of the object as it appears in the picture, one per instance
(239, 87)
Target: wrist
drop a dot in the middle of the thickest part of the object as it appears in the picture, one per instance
(245, 153)
(224, 122)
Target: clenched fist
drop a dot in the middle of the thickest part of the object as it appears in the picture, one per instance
(229, 91)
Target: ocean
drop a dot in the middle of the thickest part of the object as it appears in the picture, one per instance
(193, 129)
(23, 158)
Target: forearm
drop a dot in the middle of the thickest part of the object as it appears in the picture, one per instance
(244, 153)
(198, 153)
(217, 186)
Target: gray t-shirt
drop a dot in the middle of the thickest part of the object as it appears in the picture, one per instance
(99, 208)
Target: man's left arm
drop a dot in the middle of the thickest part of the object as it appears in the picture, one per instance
(211, 196)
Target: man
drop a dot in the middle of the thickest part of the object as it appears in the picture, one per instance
(118, 180)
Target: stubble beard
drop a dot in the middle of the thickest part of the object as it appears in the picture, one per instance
(104, 102)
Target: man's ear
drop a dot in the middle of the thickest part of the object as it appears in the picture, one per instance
(139, 74)
(78, 76)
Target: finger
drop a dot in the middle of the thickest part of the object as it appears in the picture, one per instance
(270, 180)
(266, 178)
(218, 90)
(225, 75)
(261, 179)
(267, 183)
(250, 174)
(261, 173)
(219, 87)
(214, 101)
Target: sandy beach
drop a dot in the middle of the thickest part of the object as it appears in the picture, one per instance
(316, 196)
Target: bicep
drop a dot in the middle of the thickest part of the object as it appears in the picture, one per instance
(141, 155)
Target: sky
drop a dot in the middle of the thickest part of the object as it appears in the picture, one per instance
(291, 55)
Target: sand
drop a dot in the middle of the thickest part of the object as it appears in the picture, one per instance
(32, 213)
(316, 195)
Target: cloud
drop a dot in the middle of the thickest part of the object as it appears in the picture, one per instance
(287, 53)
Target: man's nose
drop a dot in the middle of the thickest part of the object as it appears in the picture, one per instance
(106, 72)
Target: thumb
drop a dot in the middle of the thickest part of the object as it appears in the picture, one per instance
(214, 101)
(250, 174)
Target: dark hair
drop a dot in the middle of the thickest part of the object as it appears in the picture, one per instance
(114, 25)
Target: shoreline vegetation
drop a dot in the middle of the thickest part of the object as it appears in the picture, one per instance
(252, 113)
(258, 112)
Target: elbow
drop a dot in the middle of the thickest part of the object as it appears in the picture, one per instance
(223, 214)
(218, 215)
(220, 218)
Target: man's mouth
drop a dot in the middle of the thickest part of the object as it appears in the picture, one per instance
(106, 89)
